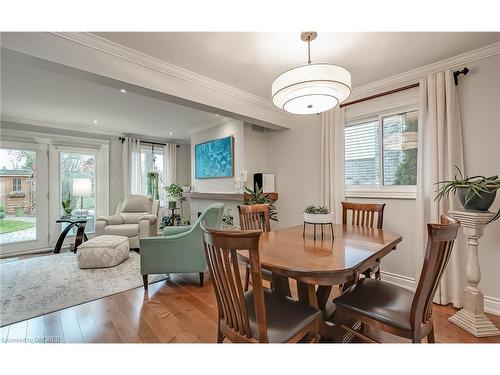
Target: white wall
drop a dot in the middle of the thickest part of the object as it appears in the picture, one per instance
(233, 128)
(256, 151)
(293, 157)
(479, 94)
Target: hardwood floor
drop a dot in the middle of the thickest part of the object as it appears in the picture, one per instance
(176, 310)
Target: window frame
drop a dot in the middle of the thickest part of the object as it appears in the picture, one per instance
(14, 180)
(381, 190)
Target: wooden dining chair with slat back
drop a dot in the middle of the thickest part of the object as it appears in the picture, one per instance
(257, 315)
(395, 309)
(365, 215)
(255, 217)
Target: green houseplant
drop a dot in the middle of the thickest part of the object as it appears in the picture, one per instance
(252, 197)
(67, 205)
(174, 192)
(152, 183)
(317, 215)
(476, 193)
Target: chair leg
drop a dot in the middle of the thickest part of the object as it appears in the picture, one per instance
(202, 276)
(145, 281)
(220, 336)
(247, 278)
(430, 336)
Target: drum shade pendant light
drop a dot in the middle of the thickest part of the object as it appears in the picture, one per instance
(311, 88)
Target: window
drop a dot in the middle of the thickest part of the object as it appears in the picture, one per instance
(381, 155)
(74, 165)
(148, 163)
(16, 184)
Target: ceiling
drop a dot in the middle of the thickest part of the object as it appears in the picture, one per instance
(251, 61)
(37, 91)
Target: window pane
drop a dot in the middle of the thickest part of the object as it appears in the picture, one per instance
(362, 154)
(400, 149)
(81, 166)
(17, 196)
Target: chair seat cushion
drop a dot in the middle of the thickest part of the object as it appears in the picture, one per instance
(102, 251)
(127, 230)
(285, 318)
(378, 300)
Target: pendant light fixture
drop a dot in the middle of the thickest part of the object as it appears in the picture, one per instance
(311, 88)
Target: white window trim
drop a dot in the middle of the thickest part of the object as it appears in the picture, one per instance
(381, 191)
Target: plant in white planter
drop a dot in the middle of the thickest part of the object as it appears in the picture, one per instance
(317, 215)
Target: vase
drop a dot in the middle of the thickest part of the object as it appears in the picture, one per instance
(482, 203)
(318, 218)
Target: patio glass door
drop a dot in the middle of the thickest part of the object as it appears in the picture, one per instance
(23, 197)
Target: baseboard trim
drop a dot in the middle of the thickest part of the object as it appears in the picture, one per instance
(491, 304)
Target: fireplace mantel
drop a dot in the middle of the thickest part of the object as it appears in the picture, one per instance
(222, 196)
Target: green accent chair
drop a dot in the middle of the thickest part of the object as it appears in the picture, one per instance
(179, 249)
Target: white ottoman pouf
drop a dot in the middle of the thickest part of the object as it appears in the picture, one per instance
(102, 251)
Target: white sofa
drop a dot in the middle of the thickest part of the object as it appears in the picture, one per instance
(136, 217)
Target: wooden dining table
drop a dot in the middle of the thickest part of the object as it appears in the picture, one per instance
(318, 264)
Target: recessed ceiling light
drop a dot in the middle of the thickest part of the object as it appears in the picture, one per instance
(170, 133)
(123, 91)
(95, 122)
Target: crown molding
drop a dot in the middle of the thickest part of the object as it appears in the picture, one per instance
(413, 76)
(104, 45)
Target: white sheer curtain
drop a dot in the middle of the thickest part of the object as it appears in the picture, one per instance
(170, 163)
(440, 150)
(332, 160)
(131, 163)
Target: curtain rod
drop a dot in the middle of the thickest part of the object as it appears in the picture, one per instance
(148, 142)
(456, 73)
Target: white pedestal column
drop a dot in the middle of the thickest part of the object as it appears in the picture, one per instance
(471, 317)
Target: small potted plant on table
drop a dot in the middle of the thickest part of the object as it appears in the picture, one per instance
(475, 193)
(317, 215)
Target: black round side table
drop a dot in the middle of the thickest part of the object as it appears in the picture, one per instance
(78, 222)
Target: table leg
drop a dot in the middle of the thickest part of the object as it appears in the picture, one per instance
(61, 238)
(79, 235)
(280, 285)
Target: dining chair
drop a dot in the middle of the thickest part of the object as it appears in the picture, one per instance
(257, 315)
(395, 309)
(363, 215)
(255, 217)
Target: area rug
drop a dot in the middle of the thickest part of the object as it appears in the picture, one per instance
(41, 285)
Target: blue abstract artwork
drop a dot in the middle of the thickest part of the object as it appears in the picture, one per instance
(214, 159)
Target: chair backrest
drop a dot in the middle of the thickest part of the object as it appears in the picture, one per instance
(439, 246)
(212, 216)
(255, 217)
(132, 207)
(222, 259)
(363, 214)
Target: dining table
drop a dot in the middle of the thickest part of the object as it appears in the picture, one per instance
(317, 264)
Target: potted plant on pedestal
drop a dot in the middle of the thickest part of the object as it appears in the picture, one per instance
(318, 215)
(475, 193)
(174, 192)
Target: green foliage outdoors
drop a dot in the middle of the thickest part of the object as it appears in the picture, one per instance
(258, 197)
(406, 172)
(2, 211)
(8, 226)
